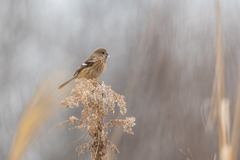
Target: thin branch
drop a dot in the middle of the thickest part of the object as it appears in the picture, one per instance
(60, 125)
(77, 140)
(96, 152)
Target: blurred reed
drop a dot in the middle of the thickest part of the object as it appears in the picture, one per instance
(228, 145)
(189, 157)
(235, 131)
(220, 105)
(39, 110)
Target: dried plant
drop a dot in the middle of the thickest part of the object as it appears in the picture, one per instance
(188, 157)
(97, 99)
(220, 105)
(39, 110)
(228, 144)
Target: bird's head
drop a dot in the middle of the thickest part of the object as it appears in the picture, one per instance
(101, 53)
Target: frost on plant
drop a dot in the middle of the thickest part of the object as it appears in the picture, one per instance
(97, 99)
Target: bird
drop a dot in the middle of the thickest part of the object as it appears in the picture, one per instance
(93, 67)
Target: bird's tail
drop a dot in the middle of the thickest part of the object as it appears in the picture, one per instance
(66, 83)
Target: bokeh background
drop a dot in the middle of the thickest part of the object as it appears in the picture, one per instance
(162, 60)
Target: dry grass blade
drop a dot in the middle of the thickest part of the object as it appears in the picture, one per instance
(38, 111)
(190, 153)
(184, 154)
(209, 110)
(226, 148)
(226, 153)
(235, 131)
(225, 121)
(219, 70)
(215, 156)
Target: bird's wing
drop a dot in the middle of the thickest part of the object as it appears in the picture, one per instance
(87, 63)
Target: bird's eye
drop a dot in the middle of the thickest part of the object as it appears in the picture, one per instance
(102, 52)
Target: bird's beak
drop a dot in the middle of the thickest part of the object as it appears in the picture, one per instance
(108, 55)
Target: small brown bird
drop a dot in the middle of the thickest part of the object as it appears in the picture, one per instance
(93, 67)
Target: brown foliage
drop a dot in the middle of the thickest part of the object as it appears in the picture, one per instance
(97, 99)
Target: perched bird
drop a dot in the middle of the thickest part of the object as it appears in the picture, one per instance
(93, 67)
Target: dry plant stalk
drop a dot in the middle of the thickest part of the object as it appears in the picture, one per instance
(225, 121)
(219, 70)
(97, 99)
(235, 130)
(228, 144)
(226, 148)
(188, 157)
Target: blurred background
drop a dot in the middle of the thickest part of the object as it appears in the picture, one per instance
(162, 60)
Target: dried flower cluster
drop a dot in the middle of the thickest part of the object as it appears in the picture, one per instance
(97, 99)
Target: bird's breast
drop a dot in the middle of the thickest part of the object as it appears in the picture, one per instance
(100, 68)
(95, 71)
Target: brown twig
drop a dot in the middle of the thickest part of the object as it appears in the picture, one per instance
(59, 125)
(76, 140)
